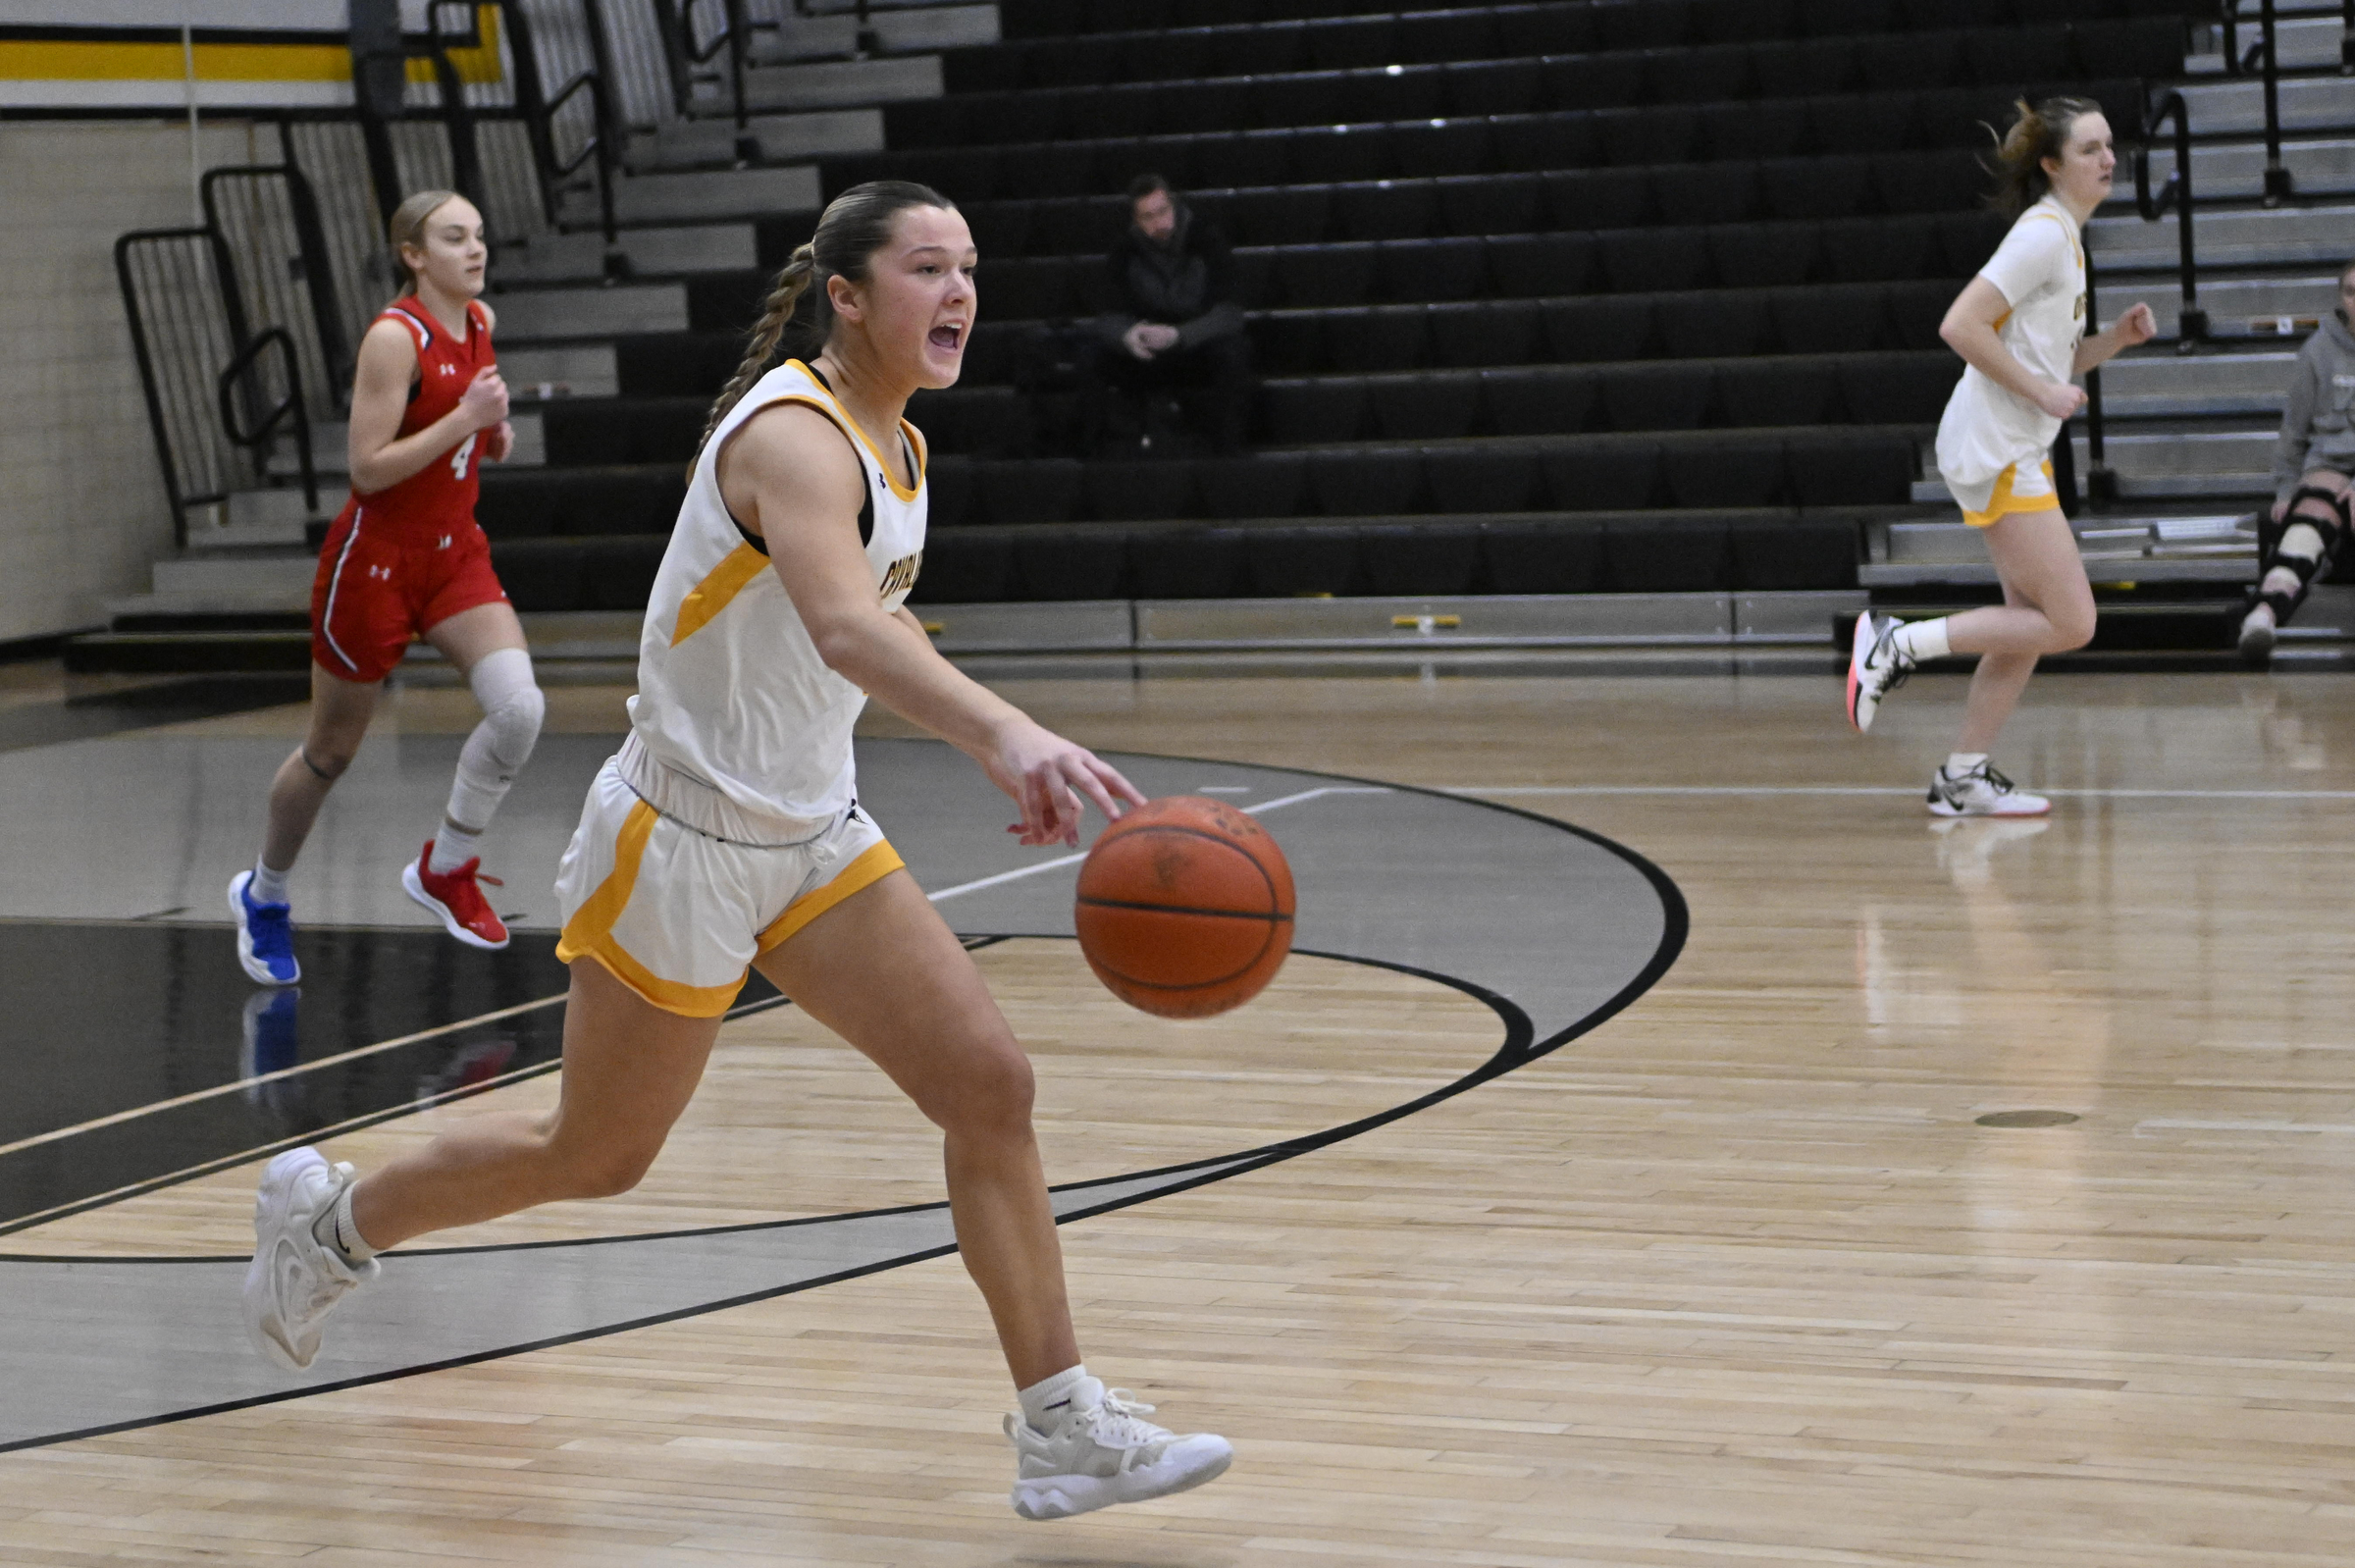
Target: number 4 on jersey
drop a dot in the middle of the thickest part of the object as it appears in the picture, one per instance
(459, 458)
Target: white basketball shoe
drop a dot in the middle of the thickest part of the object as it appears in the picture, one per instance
(1981, 792)
(295, 1280)
(1875, 666)
(1101, 1452)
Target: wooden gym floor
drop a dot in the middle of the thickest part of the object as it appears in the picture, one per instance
(1736, 1278)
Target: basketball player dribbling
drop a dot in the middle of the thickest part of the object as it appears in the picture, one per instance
(2020, 326)
(727, 833)
(406, 559)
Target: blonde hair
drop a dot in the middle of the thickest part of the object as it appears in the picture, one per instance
(2038, 133)
(852, 229)
(407, 228)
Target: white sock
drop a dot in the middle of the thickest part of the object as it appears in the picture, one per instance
(1959, 763)
(268, 886)
(453, 847)
(1920, 639)
(1044, 1402)
(334, 1228)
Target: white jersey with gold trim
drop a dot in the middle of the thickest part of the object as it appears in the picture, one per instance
(739, 729)
(2040, 271)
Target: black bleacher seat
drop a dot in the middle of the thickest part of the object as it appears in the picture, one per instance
(1269, 485)
(1660, 396)
(1789, 390)
(1186, 563)
(1850, 468)
(1666, 555)
(1632, 260)
(971, 566)
(1767, 555)
(1531, 266)
(1731, 474)
(1067, 562)
(1480, 480)
(1431, 406)
(1042, 490)
(1619, 476)
(1601, 329)
(1367, 482)
(1433, 270)
(1386, 209)
(617, 573)
(539, 574)
(1483, 333)
(1714, 325)
(1296, 562)
(1706, 193)
(1133, 491)
(1427, 557)
(1896, 388)
(1539, 401)
(1550, 555)
(1380, 338)
(948, 489)
(528, 503)
(1307, 413)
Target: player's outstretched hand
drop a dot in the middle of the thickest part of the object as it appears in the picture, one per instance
(2059, 398)
(1047, 776)
(2137, 326)
(484, 400)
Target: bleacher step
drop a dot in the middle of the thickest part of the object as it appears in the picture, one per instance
(2299, 43)
(781, 138)
(2317, 166)
(712, 193)
(799, 37)
(2236, 307)
(570, 370)
(2256, 238)
(833, 85)
(579, 257)
(2308, 103)
(2158, 385)
(544, 314)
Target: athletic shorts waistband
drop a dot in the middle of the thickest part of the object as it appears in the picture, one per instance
(692, 803)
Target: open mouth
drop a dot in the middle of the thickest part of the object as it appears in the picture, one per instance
(949, 338)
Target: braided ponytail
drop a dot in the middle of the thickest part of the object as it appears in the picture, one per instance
(776, 312)
(2037, 133)
(853, 228)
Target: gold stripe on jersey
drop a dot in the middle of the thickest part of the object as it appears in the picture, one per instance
(871, 867)
(735, 571)
(841, 416)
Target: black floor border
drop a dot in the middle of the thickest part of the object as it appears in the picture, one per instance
(1518, 1049)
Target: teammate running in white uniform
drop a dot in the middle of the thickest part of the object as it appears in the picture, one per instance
(726, 834)
(2020, 326)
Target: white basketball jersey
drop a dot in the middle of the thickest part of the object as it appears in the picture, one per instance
(2040, 271)
(750, 727)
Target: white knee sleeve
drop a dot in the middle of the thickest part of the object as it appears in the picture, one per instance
(512, 708)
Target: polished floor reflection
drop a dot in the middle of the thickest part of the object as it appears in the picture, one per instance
(1738, 1278)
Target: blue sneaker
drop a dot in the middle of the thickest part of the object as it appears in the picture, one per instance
(265, 935)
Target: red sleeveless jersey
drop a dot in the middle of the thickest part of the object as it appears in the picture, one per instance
(440, 497)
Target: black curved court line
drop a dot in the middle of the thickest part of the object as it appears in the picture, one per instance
(1518, 1049)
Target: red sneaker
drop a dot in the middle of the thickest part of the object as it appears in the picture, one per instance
(453, 896)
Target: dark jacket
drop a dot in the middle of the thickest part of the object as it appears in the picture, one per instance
(1188, 283)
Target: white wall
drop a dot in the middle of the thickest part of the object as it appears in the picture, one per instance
(81, 502)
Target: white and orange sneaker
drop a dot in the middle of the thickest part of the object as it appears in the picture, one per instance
(455, 896)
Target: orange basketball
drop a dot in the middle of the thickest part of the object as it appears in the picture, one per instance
(1186, 908)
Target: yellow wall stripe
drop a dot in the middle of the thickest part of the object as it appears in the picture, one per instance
(736, 570)
(97, 60)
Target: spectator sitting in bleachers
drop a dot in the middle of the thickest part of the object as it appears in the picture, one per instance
(1172, 346)
(2312, 463)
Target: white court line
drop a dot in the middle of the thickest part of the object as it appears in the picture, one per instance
(1864, 789)
(1076, 857)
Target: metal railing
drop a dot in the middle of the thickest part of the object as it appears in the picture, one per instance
(541, 108)
(214, 428)
(2263, 57)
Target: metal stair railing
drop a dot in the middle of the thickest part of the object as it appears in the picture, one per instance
(179, 300)
(676, 20)
(2261, 56)
(540, 109)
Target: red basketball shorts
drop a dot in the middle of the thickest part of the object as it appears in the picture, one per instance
(372, 595)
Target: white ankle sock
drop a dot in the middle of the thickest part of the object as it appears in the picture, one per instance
(1044, 1401)
(334, 1228)
(453, 847)
(1959, 763)
(268, 886)
(1920, 639)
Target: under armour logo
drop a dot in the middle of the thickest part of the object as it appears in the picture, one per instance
(444, 544)
(449, 370)
(381, 573)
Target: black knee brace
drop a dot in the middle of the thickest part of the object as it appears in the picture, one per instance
(2325, 512)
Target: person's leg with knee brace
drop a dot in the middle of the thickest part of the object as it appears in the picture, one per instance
(512, 710)
(2293, 554)
(444, 877)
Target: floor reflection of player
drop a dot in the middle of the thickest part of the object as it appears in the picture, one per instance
(271, 1043)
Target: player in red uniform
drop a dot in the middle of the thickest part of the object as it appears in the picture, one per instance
(406, 559)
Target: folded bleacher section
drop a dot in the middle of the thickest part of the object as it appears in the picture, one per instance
(1591, 295)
